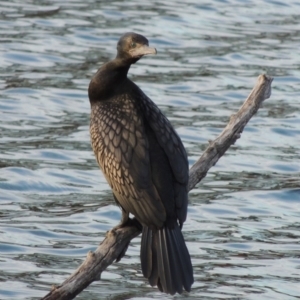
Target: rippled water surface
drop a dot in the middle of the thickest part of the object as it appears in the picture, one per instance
(244, 218)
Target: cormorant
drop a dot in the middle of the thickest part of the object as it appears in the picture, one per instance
(145, 164)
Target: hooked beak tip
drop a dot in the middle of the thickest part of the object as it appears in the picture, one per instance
(144, 50)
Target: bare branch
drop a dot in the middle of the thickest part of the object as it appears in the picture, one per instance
(233, 130)
(115, 244)
(112, 248)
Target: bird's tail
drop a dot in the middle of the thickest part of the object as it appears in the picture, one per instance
(165, 260)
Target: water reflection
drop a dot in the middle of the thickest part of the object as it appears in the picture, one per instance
(243, 223)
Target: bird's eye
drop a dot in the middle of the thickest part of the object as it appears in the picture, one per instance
(133, 45)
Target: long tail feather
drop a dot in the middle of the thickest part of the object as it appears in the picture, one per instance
(165, 260)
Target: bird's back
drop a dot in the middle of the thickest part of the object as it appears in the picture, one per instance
(141, 156)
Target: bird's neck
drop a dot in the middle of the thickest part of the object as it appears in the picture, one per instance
(108, 80)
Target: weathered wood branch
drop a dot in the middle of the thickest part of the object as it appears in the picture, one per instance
(115, 244)
(233, 130)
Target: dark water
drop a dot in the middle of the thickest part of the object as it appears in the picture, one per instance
(244, 218)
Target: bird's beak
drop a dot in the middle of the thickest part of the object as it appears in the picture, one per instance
(142, 50)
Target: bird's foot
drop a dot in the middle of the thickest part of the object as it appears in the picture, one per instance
(129, 222)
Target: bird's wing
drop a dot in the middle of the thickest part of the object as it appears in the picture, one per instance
(122, 151)
(174, 150)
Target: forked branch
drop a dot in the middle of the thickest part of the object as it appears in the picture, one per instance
(115, 244)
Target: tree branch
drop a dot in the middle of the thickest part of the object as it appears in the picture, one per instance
(116, 242)
(233, 130)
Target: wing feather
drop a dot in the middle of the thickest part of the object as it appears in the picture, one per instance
(172, 145)
(122, 153)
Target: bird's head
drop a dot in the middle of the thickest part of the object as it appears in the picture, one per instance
(132, 46)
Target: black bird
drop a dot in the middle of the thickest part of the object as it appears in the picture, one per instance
(145, 164)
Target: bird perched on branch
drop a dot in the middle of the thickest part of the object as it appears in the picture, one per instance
(145, 164)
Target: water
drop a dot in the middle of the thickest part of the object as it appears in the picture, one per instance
(244, 218)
